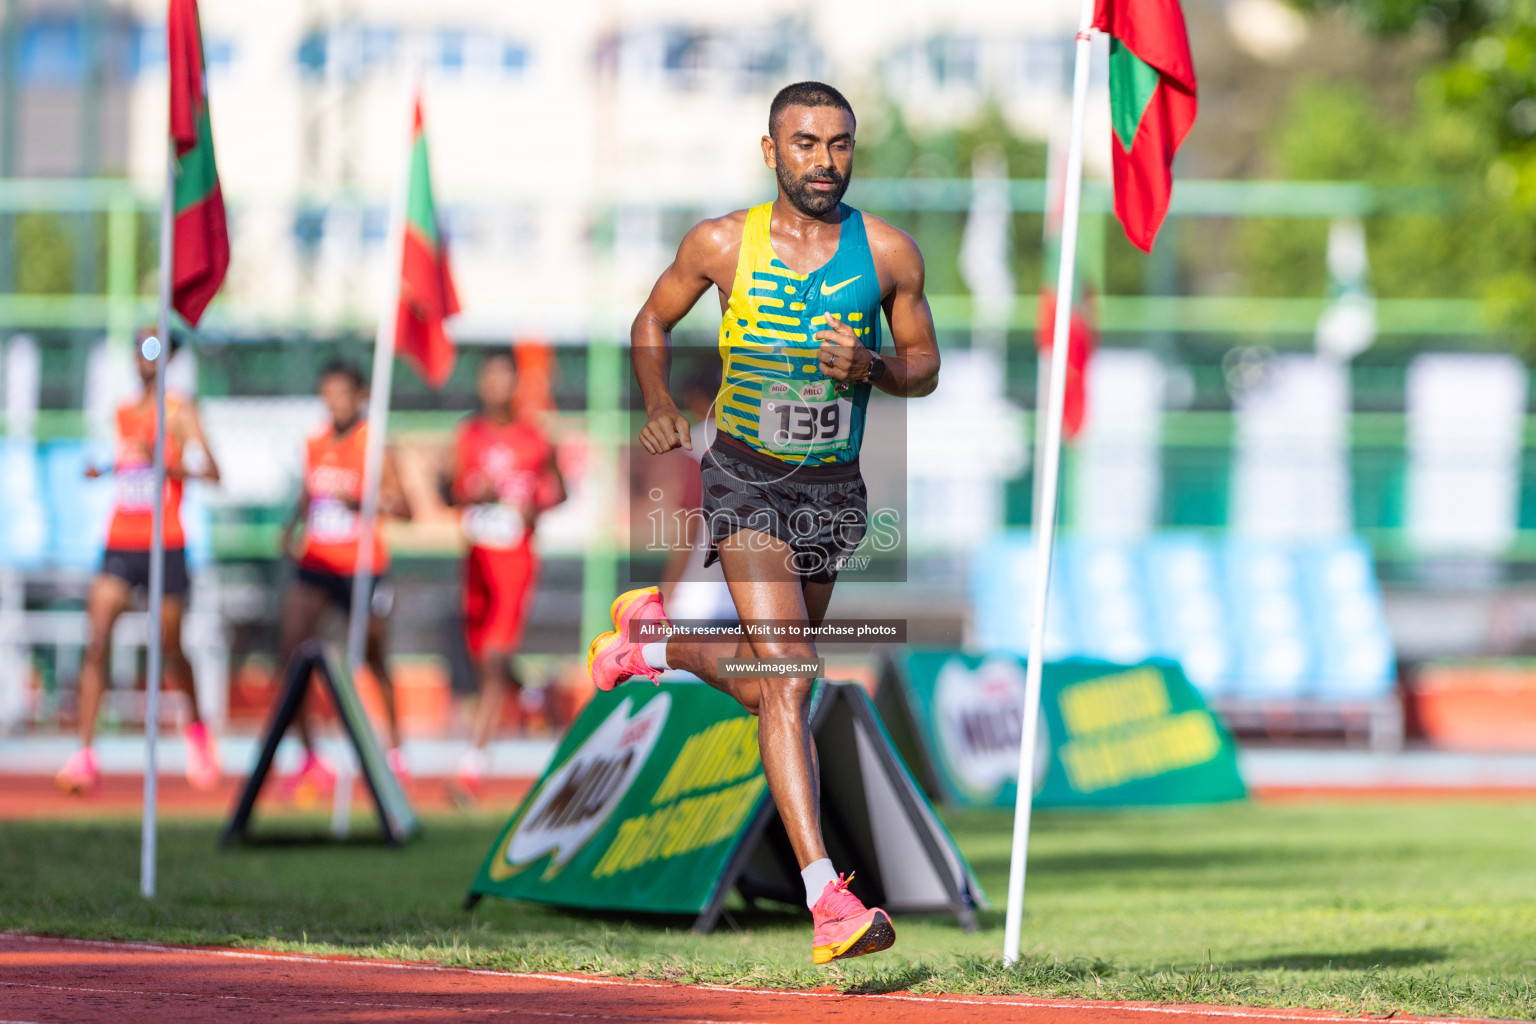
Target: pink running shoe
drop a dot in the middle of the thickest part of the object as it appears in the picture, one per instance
(202, 759)
(845, 928)
(80, 774)
(613, 657)
(314, 779)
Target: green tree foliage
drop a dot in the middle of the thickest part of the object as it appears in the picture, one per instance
(1334, 132)
(891, 147)
(45, 256)
(1473, 130)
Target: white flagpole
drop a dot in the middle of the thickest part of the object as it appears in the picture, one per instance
(378, 415)
(1045, 525)
(161, 355)
(1055, 173)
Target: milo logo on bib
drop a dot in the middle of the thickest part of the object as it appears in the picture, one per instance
(804, 418)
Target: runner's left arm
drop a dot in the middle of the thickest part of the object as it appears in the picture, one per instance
(551, 471)
(194, 446)
(392, 499)
(447, 473)
(912, 369)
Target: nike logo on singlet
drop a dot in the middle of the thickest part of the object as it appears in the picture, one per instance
(828, 291)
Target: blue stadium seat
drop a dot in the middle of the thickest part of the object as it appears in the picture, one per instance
(1001, 585)
(1102, 582)
(1356, 656)
(1275, 653)
(23, 518)
(77, 508)
(197, 523)
(1189, 608)
(1244, 618)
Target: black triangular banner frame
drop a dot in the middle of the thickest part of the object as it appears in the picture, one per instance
(397, 819)
(859, 766)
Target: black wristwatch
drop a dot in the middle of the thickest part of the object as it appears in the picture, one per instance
(876, 369)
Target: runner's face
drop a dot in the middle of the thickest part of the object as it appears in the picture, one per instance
(497, 384)
(342, 398)
(146, 370)
(811, 152)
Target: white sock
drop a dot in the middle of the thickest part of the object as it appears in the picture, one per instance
(816, 877)
(655, 655)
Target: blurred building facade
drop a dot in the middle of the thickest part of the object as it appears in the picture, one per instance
(571, 144)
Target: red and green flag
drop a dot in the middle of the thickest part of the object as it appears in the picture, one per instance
(1152, 101)
(200, 254)
(427, 297)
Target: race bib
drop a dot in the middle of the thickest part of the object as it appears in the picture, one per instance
(493, 525)
(330, 521)
(136, 489)
(803, 418)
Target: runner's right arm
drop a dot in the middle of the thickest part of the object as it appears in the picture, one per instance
(295, 517)
(701, 258)
(188, 427)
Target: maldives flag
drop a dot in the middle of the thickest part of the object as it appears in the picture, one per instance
(427, 297)
(1152, 101)
(200, 254)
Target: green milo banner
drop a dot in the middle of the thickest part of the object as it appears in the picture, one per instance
(655, 802)
(651, 787)
(1110, 735)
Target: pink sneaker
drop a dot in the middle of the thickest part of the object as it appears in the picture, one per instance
(202, 758)
(315, 778)
(845, 928)
(613, 657)
(80, 774)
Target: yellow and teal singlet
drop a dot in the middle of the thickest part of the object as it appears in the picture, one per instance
(773, 397)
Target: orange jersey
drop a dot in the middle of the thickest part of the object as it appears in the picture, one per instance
(133, 469)
(510, 460)
(333, 479)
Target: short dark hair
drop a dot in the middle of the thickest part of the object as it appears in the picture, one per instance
(494, 354)
(806, 94)
(339, 367)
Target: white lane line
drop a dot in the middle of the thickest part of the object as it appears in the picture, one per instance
(942, 1000)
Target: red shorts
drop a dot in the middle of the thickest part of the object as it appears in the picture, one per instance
(498, 591)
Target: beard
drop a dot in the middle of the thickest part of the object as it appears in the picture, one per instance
(808, 200)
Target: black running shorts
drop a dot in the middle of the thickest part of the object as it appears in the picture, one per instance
(338, 589)
(820, 511)
(132, 567)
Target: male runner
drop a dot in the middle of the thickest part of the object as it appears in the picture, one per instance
(328, 504)
(502, 473)
(125, 567)
(802, 283)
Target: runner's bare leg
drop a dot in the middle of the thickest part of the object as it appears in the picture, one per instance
(374, 656)
(178, 670)
(765, 587)
(108, 598)
(304, 607)
(497, 682)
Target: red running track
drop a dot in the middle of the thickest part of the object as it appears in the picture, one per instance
(46, 980)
